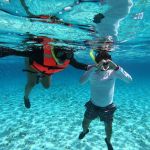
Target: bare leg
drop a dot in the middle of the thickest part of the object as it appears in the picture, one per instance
(31, 79)
(85, 125)
(31, 82)
(108, 130)
(46, 81)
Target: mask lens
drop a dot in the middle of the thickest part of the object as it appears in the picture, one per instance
(68, 55)
(59, 54)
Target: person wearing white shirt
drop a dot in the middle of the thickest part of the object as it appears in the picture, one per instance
(102, 79)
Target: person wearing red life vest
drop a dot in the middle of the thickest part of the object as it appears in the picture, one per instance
(54, 59)
(43, 61)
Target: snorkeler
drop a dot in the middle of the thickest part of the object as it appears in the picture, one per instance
(42, 62)
(102, 79)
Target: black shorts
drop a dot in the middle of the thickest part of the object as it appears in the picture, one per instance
(104, 113)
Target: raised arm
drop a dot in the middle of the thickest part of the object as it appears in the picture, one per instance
(123, 75)
(78, 65)
(120, 72)
(84, 78)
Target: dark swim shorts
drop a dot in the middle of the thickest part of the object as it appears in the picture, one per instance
(104, 113)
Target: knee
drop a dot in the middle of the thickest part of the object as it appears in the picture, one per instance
(46, 86)
(46, 82)
(86, 122)
(31, 84)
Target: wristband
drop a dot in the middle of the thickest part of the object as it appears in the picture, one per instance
(117, 68)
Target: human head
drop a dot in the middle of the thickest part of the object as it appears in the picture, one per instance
(63, 53)
(106, 44)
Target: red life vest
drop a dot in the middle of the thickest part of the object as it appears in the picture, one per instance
(49, 65)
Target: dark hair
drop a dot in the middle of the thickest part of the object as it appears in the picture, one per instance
(102, 55)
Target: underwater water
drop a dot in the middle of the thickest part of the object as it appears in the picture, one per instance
(54, 120)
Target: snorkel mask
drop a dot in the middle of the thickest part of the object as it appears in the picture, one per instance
(106, 44)
(63, 55)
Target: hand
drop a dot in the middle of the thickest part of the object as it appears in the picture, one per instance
(90, 66)
(100, 64)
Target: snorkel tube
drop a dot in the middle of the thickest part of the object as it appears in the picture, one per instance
(92, 55)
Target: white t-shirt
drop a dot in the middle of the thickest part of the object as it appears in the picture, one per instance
(102, 84)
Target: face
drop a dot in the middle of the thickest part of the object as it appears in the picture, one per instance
(107, 46)
(107, 43)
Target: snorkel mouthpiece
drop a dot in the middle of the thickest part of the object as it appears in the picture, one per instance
(105, 63)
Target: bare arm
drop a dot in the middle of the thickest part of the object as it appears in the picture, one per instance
(78, 65)
(26, 8)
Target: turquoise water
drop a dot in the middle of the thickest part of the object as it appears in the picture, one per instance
(54, 120)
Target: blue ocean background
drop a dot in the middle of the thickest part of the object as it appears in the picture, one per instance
(54, 120)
